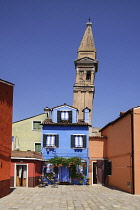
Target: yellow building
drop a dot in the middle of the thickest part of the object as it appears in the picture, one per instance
(27, 133)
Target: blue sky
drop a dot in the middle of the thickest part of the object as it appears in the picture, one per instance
(39, 41)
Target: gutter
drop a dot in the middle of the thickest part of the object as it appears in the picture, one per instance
(24, 158)
(132, 143)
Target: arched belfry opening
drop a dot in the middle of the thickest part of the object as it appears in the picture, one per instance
(86, 66)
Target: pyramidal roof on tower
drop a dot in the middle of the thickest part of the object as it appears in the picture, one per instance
(87, 46)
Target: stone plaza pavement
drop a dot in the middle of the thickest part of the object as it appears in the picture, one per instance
(69, 197)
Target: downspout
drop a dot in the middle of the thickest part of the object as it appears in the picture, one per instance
(132, 143)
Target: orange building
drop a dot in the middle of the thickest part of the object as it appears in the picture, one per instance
(97, 159)
(123, 151)
(6, 104)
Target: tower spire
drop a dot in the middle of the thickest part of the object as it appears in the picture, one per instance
(87, 46)
(86, 66)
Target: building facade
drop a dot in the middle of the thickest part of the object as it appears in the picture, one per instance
(86, 66)
(65, 136)
(27, 133)
(98, 160)
(6, 105)
(123, 151)
(26, 168)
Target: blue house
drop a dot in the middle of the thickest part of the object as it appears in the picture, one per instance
(65, 136)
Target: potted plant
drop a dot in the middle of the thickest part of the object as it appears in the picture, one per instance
(87, 180)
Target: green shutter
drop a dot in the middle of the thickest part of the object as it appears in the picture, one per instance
(84, 141)
(58, 116)
(44, 140)
(70, 116)
(57, 140)
(72, 141)
(37, 147)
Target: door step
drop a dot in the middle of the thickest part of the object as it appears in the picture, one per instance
(64, 183)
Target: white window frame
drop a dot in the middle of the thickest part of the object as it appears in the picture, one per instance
(50, 134)
(15, 174)
(64, 115)
(33, 125)
(37, 143)
(82, 140)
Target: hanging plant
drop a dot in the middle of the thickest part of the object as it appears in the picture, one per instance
(68, 162)
(65, 161)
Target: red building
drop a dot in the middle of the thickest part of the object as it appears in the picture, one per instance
(26, 168)
(6, 104)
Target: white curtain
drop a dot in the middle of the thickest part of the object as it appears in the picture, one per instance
(24, 172)
(50, 141)
(64, 115)
(78, 141)
(20, 171)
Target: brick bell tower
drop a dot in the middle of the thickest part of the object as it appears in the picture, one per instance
(86, 66)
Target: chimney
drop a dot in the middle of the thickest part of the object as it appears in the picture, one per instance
(47, 110)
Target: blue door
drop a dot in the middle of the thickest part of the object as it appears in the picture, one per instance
(64, 174)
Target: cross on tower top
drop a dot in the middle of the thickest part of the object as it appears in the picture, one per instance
(89, 19)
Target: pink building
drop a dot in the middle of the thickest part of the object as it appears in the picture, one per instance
(26, 168)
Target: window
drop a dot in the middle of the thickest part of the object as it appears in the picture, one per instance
(50, 140)
(78, 141)
(37, 147)
(108, 167)
(64, 115)
(48, 168)
(82, 169)
(88, 76)
(36, 125)
(81, 73)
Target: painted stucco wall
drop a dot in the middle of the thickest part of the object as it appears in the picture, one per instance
(24, 135)
(6, 103)
(136, 120)
(64, 108)
(34, 171)
(97, 150)
(119, 153)
(64, 149)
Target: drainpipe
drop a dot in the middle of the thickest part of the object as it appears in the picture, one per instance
(132, 143)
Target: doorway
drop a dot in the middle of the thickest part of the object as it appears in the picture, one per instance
(94, 172)
(21, 175)
(64, 174)
(98, 172)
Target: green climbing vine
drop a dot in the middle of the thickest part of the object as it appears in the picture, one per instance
(68, 162)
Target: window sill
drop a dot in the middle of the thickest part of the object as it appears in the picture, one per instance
(49, 147)
(78, 148)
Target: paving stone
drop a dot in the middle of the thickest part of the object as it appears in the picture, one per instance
(69, 197)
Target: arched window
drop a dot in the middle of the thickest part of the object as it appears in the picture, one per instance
(88, 76)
